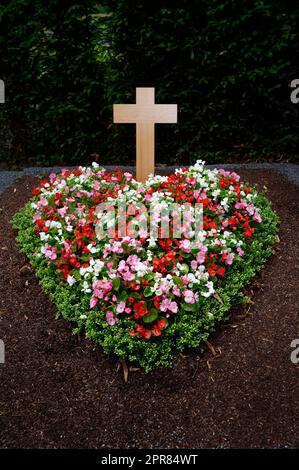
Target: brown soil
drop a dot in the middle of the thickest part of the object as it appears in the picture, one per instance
(60, 391)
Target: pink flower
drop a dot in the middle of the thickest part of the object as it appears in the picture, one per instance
(98, 293)
(250, 209)
(164, 305)
(173, 307)
(176, 291)
(193, 264)
(117, 248)
(128, 176)
(241, 205)
(191, 181)
(133, 260)
(257, 218)
(167, 304)
(229, 259)
(107, 286)
(52, 177)
(128, 276)
(235, 176)
(50, 252)
(164, 286)
(185, 246)
(200, 258)
(43, 202)
(111, 320)
(240, 251)
(93, 302)
(189, 297)
(62, 211)
(121, 307)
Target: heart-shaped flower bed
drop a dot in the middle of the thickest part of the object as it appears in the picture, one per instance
(140, 293)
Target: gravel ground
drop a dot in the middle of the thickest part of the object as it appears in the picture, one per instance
(290, 170)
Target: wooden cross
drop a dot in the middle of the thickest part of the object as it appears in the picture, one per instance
(145, 113)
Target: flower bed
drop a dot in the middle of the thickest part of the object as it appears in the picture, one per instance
(145, 297)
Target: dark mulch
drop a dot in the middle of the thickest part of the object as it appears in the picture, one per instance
(58, 390)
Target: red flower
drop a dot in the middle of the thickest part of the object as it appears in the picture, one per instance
(220, 272)
(212, 270)
(140, 309)
(161, 323)
(144, 332)
(157, 302)
(35, 191)
(156, 330)
(224, 183)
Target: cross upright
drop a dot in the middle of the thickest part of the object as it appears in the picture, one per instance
(145, 113)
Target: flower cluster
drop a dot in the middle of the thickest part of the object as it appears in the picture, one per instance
(146, 279)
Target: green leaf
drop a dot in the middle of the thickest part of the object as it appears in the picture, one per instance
(177, 280)
(147, 291)
(116, 283)
(77, 275)
(152, 317)
(185, 268)
(123, 296)
(190, 307)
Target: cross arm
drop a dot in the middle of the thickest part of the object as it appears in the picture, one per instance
(156, 113)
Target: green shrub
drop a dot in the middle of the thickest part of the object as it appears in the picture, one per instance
(53, 81)
(227, 64)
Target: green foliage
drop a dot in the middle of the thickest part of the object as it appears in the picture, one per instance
(52, 78)
(227, 64)
(190, 327)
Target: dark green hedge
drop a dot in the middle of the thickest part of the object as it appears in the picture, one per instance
(227, 64)
(54, 92)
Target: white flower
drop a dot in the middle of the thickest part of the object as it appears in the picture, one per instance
(98, 266)
(71, 280)
(151, 242)
(224, 203)
(44, 236)
(216, 193)
(211, 290)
